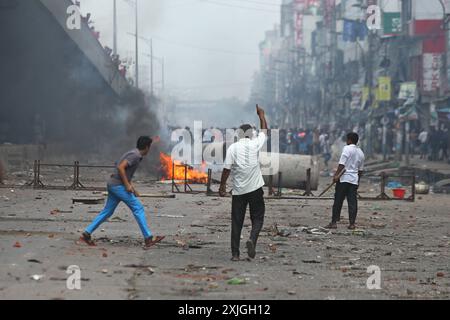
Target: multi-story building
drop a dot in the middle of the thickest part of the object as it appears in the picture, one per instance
(332, 71)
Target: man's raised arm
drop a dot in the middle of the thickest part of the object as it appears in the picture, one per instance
(262, 117)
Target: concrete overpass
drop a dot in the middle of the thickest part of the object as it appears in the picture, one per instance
(57, 85)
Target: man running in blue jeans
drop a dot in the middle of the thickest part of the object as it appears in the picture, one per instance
(121, 189)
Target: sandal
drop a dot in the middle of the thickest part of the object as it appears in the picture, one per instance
(149, 242)
(86, 238)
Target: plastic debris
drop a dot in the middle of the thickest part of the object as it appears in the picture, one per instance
(17, 245)
(236, 281)
(394, 185)
(284, 233)
(362, 233)
(315, 230)
(292, 292)
(37, 277)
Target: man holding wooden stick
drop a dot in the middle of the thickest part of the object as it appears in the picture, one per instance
(347, 179)
(120, 189)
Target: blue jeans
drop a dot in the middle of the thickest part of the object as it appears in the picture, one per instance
(116, 194)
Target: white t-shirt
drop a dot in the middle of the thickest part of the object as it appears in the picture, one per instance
(423, 137)
(242, 160)
(353, 159)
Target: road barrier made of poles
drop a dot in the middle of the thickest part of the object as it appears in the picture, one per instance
(37, 183)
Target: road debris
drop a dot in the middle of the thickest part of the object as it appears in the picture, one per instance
(37, 277)
(117, 219)
(236, 281)
(169, 216)
(315, 230)
(183, 244)
(284, 233)
(213, 285)
(34, 261)
(88, 201)
(272, 247)
(273, 230)
(292, 292)
(311, 261)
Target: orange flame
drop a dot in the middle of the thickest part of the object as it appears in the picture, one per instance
(179, 172)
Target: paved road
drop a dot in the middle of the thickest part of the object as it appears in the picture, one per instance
(408, 241)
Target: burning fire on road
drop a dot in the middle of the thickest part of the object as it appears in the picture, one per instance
(177, 172)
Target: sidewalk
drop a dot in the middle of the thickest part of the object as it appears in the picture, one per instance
(442, 167)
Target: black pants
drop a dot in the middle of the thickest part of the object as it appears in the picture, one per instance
(257, 210)
(349, 191)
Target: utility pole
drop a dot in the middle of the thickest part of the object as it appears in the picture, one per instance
(407, 142)
(304, 102)
(152, 58)
(333, 56)
(137, 45)
(370, 85)
(385, 122)
(163, 76)
(115, 28)
(135, 4)
(151, 67)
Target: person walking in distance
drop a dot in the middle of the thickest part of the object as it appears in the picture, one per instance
(423, 139)
(242, 160)
(120, 189)
(347, 179)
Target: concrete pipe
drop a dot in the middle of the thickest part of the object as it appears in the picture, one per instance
(293, 168)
